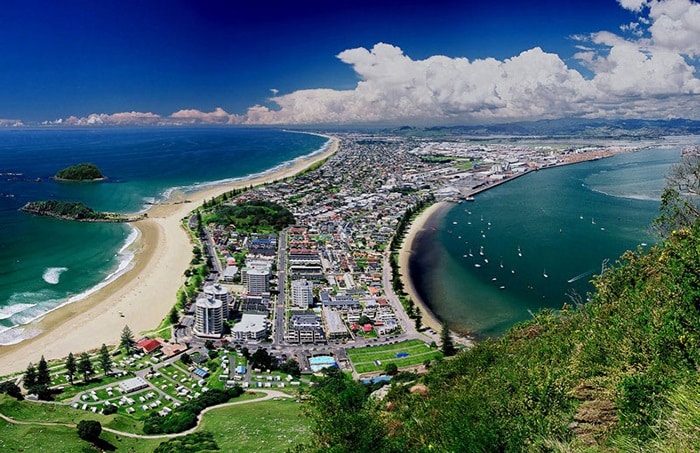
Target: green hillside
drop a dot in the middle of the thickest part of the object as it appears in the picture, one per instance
(616, 374)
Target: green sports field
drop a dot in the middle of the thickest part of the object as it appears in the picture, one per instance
(375, 358)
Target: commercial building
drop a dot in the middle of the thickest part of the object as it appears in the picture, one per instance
(209, 317)
(334, 325)
(250, 327)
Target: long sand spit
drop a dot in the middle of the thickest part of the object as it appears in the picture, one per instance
(144, 294)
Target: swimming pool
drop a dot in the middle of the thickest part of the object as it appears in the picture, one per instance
(320, 362)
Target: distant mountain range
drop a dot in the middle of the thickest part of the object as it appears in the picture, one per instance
(566, 128)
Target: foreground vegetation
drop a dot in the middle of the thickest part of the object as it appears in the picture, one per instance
(616, 374)
(264, 426)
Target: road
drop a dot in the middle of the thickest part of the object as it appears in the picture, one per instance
(279, 317)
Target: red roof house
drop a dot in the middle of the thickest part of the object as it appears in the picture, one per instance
(148, 345)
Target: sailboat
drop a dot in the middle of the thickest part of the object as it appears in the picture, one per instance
(481, 250)
(519, 252)
(544, 274)
(470, 252)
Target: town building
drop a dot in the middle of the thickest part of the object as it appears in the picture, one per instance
(334, 325)
(250, 327)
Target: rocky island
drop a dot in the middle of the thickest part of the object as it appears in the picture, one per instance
(80, 172)
(68, 210)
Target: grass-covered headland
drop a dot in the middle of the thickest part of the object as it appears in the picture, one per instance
(69, 210)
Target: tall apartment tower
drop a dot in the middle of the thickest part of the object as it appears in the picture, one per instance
(302, 293)
(209, 317)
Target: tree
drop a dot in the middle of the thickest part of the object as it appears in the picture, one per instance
(127, 340)
(110, 409)
(71, 367)
(186, 358)
(292, 367)
(85, 366)
(448, 347)
(89, 430)
(391, 369)
(680, 201)
(262, 359)
(43, 376)
(174, 316)
(105, 359)
(418, 320)
(344, 417)
(12, 389)
(209, 344)
(30, 377)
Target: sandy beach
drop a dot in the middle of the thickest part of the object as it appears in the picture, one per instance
(144, 295)
(417, 226)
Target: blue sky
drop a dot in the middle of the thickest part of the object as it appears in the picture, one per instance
(156, 58)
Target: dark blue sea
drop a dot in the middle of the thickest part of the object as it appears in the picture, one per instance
(45, 262)
(536, 242)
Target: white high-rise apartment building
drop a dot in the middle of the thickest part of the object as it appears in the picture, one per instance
(302, 293)
(209, 317)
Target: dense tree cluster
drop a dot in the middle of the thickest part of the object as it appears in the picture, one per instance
(38, 380)
(255, 216)
(191, 443)
(185, 416)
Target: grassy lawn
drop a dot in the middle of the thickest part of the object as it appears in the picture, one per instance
(35, 438)
(363, 360)
(266, 426)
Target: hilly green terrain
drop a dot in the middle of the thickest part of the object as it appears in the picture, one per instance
(618, 373)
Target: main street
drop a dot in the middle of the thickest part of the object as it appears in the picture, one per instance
(279, 316)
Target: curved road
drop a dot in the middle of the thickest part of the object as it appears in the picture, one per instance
(269, 394)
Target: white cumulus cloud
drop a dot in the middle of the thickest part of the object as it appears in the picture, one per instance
(651, 73)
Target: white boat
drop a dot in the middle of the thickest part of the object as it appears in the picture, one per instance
(544, 274)
(520, 253)
(486, 260)
(481, 250)
(503, 287)
(494, 279)
(477, 265)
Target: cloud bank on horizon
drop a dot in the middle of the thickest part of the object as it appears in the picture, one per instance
(646, 70)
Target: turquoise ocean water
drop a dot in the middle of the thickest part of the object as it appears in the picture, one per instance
(544, 236)
(46, 262)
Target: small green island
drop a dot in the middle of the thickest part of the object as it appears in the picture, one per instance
(68, 210)
(80, 172)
